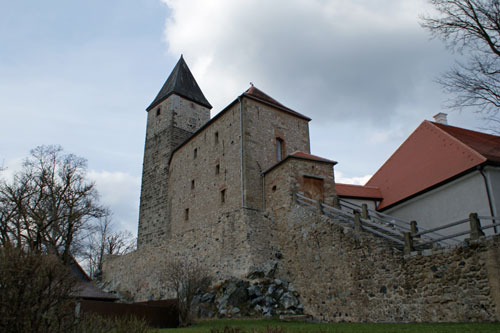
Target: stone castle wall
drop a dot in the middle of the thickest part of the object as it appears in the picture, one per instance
(289, 177)
(168, 125)
(205, 166)
(344, 276)
(262, 124)
(229, 247)
(337, 275)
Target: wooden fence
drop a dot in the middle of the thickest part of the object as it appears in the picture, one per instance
(406, 236)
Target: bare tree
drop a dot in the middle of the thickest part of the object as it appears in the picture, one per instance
(102, 241)
(186, 280)
(472, 26)
(48, 204)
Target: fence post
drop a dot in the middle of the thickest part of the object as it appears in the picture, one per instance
(364, 211)
(357, 222)
(318, 207)
(475, 226)
(336, 203)
(408, 243)
(413, 227)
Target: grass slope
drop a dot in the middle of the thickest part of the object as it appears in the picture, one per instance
(276, 326)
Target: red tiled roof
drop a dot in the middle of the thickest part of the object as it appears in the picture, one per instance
(260, 96)
(301, 154)
(432, 154)
(485, 144)
(358, 191)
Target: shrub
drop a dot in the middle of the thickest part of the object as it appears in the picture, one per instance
(35, 292)
(94, 323)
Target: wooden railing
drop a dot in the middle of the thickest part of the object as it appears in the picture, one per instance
(403, 233)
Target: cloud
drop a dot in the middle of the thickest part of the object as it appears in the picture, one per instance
(332, 60)
(120, 192)
(340, 178)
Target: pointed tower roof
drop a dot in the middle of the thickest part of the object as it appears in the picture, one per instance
(181, 82)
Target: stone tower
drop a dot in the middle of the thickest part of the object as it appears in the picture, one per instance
(179, 110)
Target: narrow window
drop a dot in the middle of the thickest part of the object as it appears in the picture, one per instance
(195, 153)
(158, 111)
(216, 137)
(217, 169)
(223, 196)
(192, 184)
(186, 214)
(279, 149)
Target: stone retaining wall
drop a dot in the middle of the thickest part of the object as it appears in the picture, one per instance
(343, 276)
(336, 274)
(232, 246)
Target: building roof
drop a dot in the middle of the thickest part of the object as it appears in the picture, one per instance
(252, 93)
(260, 96)
(358, 191)
(301, 156)
(434, 153)
(181, 82)
(87, 290)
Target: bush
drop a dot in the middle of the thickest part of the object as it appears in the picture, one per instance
(35, 293)
(94, 323)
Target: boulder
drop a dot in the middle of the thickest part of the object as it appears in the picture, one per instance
(254, 291)
(288, 300)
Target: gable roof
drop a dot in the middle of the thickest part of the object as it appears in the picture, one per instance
(432, 154)
(301, 156)
(306, 156)
(181, 82)
(254, 94)
(358, 191)
(260, 96)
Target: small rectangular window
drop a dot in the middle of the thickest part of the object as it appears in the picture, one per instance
(279, 149)
(223, 196)
(216, 137)
(192, 184)
(186, 214)
(158, 111)
(217, 169)
(195, 153)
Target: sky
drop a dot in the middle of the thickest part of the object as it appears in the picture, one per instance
(81, 73)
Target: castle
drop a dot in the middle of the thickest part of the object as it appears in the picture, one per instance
(198, 169)
(223, 192)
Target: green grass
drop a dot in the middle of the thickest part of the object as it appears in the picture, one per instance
(251, 326)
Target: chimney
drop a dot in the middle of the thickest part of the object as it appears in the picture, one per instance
(440, 118)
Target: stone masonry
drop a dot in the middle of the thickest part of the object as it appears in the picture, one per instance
(220, 192)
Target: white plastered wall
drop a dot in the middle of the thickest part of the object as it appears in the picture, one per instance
(449, 203)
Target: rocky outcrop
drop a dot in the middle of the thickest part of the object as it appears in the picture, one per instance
(259, 294)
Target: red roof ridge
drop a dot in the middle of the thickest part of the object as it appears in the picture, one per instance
(302, 154)
(358, 191)
(463, 144)
(357, 185)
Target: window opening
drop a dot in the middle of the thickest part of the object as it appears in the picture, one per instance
(158, 111)
(217, 169)
(192, 184)
(216, 137)
(195, 153)
(223, 196)
(279, 149)
(186, 214)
